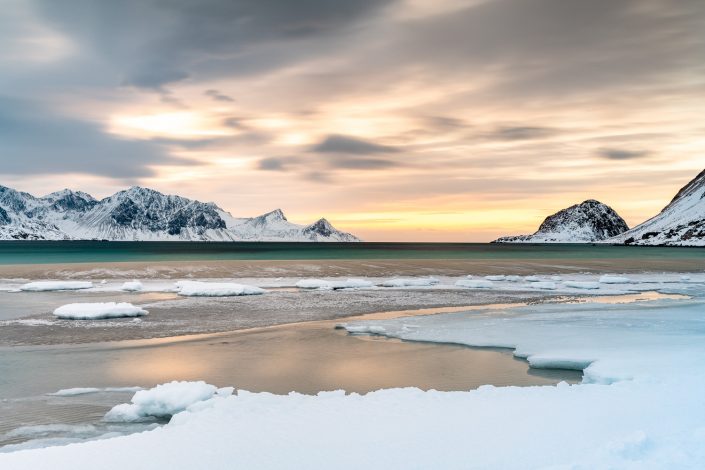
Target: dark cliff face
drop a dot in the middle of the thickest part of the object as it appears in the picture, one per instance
(4, 217)
(145, 209)
(71, 201)
(321, 227)
(591, 215)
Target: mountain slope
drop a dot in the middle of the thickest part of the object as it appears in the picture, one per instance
(681, 222)
(143, 214)
(586, 222)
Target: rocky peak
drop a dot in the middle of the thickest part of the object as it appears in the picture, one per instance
(586, 222)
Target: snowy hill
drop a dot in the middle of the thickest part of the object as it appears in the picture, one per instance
(681, 222)
(144, 214)
(586, 222)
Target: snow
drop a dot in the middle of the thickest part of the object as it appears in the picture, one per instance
(71, 392)
(474, 284)
(96, 311)
(132, 286)
(215, 289)
(544, 285)
(335, 284)
(40, 286)
(410, 282)
(582, 284)
(609, 279)
(640, 405)
(73, 215)
(164, 401)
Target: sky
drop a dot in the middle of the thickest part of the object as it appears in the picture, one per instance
(408, 120)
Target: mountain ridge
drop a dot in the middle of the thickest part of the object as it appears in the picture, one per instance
(142, 214)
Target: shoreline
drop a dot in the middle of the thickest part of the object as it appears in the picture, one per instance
(344, 267)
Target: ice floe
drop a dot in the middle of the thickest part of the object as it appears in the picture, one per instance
(97, 311)
(609, 279)
(215, 289)
(40, 286)
(410, 282)
(589, 285)
(475, 283)
(71, 392)
(164, 401)
(544, 285)
(334, 284)
(132, 286)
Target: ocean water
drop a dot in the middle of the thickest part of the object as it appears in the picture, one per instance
(39, 252)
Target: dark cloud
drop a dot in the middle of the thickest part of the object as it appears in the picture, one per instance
(354, 163)
(35, 140)
(278, 163)
(351, 145)
(521, 133)
(555, 46)
(155, 42)
(621, 154)
(218, 96)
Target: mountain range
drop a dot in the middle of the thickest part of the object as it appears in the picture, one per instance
(142, 214)
(680, 223)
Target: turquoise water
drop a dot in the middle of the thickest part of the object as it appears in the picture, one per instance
(38, 252)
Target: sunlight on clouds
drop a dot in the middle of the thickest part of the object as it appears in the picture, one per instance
(177, 125)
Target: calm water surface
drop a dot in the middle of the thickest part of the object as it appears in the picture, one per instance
(38, 252)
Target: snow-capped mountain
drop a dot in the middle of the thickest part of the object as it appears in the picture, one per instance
(589, 221)
(681, 222)
(144, 214)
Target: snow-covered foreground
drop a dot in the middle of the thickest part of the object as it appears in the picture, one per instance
(641, 404)
(626, 425)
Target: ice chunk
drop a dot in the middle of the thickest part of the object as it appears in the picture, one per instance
(71, 392)
(532, 279)
(512, 278)
(410, 282)
(132, 286)
(545, 285)
(556, 278)
(215, 289)
(97, 311)
(582, 284)
(40, 286)
(498, 277)
(164, 401)
(474, 284)
(314, 284)
(327, 285)
(609, 279)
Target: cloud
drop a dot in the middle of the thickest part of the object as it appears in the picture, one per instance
(621, 154)
(35, 140)
(218, 96)
(521, 133)
(278, 163)
(350, 145)
(166, 42)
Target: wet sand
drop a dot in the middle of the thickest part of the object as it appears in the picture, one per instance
(173, 315)
(331, 268)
